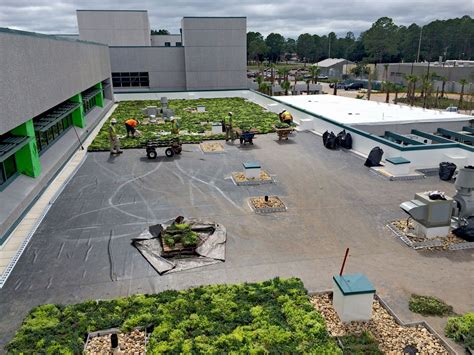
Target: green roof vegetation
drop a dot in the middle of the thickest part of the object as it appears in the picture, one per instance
(274, 316)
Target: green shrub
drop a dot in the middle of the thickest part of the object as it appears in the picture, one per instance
(268, 317)
(462, 326)
(429, 306)
(362, 344)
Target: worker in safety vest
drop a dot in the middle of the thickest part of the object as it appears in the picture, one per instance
(174, 125)
(228, 127)
(131, 126)
(286, 117)
(113, 138)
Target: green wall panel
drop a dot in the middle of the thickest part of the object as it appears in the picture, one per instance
(99, 99)
(27, 158)
(78, 118)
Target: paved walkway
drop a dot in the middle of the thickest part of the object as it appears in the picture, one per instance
(11, 250)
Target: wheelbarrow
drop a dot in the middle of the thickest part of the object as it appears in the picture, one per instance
(245, 136)
(283, 133)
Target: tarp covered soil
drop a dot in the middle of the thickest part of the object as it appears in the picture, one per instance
(210, 250)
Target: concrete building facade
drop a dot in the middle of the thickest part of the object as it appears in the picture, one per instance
(209, 54)
(114, 27)
(49, 87)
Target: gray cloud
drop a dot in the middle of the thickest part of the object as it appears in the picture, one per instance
(288, 17)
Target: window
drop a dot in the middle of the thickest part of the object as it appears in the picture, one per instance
(45, 137)
(133, 79)
(167, 44)
(7, 169)
(179, 44)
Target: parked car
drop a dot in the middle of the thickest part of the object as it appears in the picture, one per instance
(354, 86)
(341, 85)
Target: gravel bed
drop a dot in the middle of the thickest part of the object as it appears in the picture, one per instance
(212, 147)
(240, 177)
(129, 343)
(405, 228)
(392, 337)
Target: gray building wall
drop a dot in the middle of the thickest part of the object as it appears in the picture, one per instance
(215, 51)
(165, 65)
(397, 71)
(37, 72)
(160, 40)
(115, 28)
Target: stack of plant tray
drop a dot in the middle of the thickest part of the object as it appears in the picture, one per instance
(177, 231)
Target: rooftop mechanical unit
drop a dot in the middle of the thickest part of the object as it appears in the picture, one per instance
(428, 212)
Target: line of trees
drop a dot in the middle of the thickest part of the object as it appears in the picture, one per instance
(383, 42)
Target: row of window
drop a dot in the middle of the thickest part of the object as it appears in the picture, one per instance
(178, 44)
(133, 79)
(89, 104)
(46, 138)
(7, 169)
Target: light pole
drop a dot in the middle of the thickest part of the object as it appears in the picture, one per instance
(419, 45)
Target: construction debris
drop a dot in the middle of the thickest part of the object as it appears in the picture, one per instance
(391, 336)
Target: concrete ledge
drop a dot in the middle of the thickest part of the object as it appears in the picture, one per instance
(21, 193)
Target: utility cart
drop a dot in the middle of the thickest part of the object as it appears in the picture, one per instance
(172, 146)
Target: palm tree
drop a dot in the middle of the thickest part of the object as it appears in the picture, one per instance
(280, 75)
(314, 71)
(427, 86)
(411, 79)
(335, 81)
(369, 83)
(264, 87)
(396, 89)
(308, 81)
(286, 85)
(271, 66)
(387, 87)
(463, 82)
(444, 80)
(385, 67)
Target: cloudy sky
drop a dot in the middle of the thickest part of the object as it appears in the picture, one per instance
(288, 17)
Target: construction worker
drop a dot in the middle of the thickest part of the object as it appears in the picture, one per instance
(114, 139)
(286, 117)
(174, 125)
(228, 128)
(131, 126)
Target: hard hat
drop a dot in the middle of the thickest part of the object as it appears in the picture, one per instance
(113, 120)
(230, 113)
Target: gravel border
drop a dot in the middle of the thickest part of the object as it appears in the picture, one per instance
(252, 182)
(267, 209)
(399, 322)
(110, 331)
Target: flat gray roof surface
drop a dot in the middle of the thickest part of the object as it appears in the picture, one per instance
(82, 248)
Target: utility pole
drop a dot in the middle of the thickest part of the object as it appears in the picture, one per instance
(419, 45)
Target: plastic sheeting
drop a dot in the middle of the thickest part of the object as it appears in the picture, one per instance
(211, 249)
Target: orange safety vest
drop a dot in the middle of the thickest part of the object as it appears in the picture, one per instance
(131, 122)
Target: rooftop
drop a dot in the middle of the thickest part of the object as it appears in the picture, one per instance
(329, 62)
(351, 111)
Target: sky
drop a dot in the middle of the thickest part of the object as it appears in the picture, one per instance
(287, 17)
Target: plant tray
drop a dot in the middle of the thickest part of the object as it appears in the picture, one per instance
(240, 180)
(274, 204)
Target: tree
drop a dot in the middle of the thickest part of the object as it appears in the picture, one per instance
(387, 87)
(396, 89)
(360, 69)
(286, 85)
(308, 81)
(305, 47)
(335, 82)
(276, 44)
(314, 71)
(369, 83)
(444, 79)
(289, 48)
(256, 47)
(411, 80)
(160, 32)
(381, 40)
(463, 82)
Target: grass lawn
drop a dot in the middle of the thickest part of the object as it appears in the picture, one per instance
(245, 113)
(273, 316)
